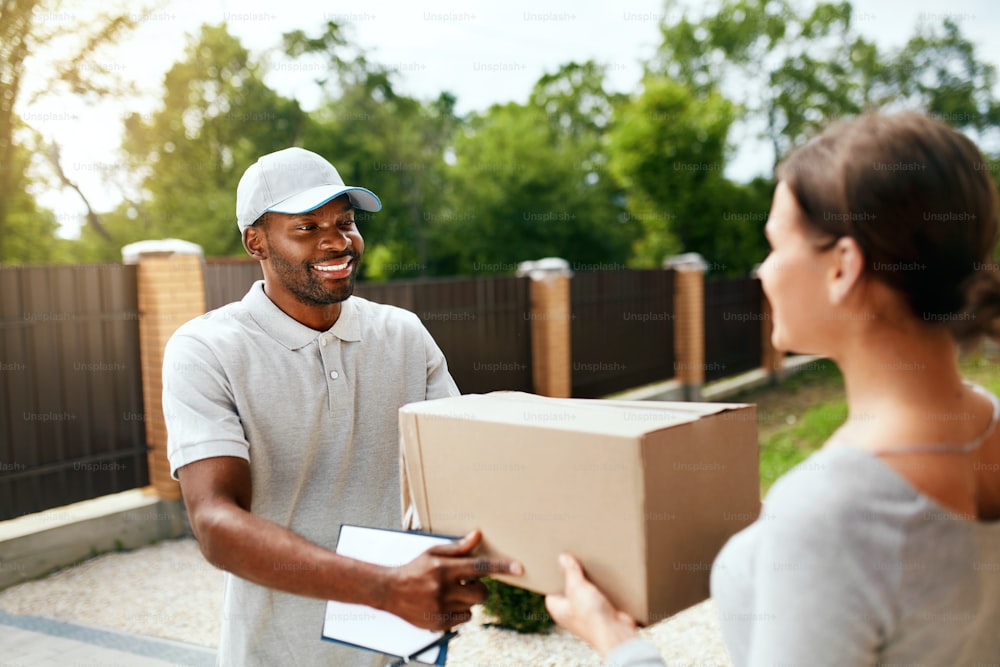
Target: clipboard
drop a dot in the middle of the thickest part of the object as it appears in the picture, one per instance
(371, 629)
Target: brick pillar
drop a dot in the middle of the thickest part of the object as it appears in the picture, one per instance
(550, 326)
(171, 292)
(689, 322)
(772, 360)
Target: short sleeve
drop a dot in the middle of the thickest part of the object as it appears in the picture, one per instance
(439, 381)
(198, 405)
(820, 592)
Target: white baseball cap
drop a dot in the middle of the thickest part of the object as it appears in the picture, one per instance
(293, 180)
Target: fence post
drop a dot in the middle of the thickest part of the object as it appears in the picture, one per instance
(171, 289)
(689, 321)
(772, 360)
(551, 356)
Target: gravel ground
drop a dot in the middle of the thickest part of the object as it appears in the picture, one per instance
(168, 590)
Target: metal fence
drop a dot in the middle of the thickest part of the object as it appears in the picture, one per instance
(71, 412)
(622, 330)
(732, 327)
(481, 324)
(227, 280)
(71, 415)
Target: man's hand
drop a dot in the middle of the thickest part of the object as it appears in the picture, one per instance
(586, 612)
(437, 589)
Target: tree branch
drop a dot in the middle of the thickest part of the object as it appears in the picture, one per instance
(93, 219)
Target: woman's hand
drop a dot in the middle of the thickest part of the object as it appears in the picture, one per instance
(583, 610)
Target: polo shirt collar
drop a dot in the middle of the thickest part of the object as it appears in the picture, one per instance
(292, 333)
(348, 325)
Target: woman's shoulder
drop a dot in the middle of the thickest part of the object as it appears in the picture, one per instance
(838, 489)
(841, 491)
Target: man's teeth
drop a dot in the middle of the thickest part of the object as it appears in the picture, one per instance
(332, 267)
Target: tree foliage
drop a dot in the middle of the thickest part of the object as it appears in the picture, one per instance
(29, 231)
(938, 71)
(601, 179)
(668, 150)
(28, 27)
(531, 181)
(380, 139)
(790, 69)
(217, 118)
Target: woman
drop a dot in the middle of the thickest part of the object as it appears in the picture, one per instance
(883, 547)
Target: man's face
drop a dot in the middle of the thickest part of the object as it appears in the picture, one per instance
(315, 256)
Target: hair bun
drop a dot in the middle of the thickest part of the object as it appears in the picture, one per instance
(981, 314)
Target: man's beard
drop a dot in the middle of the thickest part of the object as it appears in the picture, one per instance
(301, 280)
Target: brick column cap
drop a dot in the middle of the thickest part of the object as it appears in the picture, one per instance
(688, 261)
(546, 268)
(133, 252)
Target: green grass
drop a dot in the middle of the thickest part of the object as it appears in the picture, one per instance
(788, 446)
(795, 417)
(984, 370)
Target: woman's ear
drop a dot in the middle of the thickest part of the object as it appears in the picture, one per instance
(846, 270)
(253, 242)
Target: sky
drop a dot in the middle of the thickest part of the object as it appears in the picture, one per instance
(482, 52)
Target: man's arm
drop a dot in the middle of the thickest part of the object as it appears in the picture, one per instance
(435, 590)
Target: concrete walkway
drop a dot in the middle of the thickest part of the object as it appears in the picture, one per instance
(32, 641)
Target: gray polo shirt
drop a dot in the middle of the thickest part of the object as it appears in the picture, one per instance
(315, 414)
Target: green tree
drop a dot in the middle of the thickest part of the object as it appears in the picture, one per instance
(394, 145)
(668, 149)
(378, 138)
(793, 69)
(531, 181)
(217, 118)
(30, 231)
(789, 70)
(938, 71)
(27, 28)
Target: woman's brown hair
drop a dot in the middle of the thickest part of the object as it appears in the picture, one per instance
(917, 197)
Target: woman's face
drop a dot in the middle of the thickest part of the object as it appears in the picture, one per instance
(794, 279)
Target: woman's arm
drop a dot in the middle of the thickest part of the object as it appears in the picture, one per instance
(587, 613)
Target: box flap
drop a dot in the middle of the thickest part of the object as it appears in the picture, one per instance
(613, 418)
(413, 486)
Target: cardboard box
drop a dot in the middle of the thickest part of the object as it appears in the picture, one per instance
(644, 493)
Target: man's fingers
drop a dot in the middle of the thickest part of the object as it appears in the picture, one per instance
(469, 592)
(460, 547)
(474, 568)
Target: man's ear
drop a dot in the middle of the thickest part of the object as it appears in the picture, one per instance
(846, 269)
(254, 242)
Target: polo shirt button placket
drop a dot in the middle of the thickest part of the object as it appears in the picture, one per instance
(332, 366)
(325, 339)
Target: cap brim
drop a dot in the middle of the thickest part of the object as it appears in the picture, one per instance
(313, 198)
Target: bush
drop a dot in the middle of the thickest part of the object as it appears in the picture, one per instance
(516, 608)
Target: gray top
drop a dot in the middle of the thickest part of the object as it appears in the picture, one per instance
(316, 415)
(849, 565)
